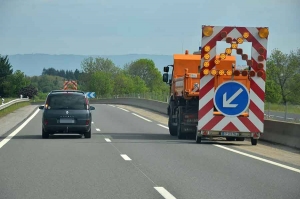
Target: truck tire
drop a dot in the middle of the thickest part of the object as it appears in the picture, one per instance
(198, 139)
(180, 135)
(172, 128)
(253, 141)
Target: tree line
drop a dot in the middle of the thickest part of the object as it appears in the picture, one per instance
(102, 76)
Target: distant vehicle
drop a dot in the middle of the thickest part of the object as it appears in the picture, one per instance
(66, 112)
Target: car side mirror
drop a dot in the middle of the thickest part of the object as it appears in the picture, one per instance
(41, 107)
(165, 77)
(92, 108)
(166, 69)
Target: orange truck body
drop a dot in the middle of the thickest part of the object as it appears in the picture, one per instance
(186, 74)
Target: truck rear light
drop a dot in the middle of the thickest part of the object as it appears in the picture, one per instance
(252, 73)
(229, 72)
(213, 72)
(244, 73)
(236, 73)
(46, 122)
(260, 73)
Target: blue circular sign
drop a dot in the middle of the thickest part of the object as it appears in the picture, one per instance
(232, 98)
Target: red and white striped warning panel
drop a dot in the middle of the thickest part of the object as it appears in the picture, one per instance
(70, 85)
(209, 117)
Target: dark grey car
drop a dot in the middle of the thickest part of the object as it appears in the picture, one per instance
(66, 112)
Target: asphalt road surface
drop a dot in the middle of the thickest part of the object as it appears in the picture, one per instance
(130, 156)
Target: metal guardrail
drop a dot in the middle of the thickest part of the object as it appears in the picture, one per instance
(5, 105)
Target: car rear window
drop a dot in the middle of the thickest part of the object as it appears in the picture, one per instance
(67, 101)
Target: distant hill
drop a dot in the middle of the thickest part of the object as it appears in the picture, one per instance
(33, 64)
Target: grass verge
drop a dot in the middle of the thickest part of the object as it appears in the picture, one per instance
(12, 108)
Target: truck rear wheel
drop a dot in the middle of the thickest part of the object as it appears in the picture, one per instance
(198, 139)
(253, 141)
(180, 135)
(172, 128)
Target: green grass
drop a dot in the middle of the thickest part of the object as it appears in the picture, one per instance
(281, 108)
(12, 108)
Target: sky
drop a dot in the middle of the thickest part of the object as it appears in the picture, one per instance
(114, 27)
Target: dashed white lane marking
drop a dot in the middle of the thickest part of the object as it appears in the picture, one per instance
(97, 129)
(258, 158)
(141, 117)
(112, 105)
(125, 157)
(92, 122)
(107, 140)
(164, 193)
(163, 126)
(123, 109)
(15, 132)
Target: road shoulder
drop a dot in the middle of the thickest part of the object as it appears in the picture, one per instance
(15, 118)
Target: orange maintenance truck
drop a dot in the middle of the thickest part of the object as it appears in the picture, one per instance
(209, 96)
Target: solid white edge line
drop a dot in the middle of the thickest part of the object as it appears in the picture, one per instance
(125, 157)
(123, 109)
(98, 129)
(164, 193)
(163, 126)
(107, 140)
(258, 158)
(15, 132)
(141, 117)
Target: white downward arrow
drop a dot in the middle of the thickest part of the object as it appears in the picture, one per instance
(226, 103)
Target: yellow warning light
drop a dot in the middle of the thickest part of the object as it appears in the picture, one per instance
(240, 40)
(217, 61)
(207, 48)
(234, 45)
(221, 72)
(229, 72)
(206, 56)
(206, 64)
(213, 72)
(228, 51)
(246, 35)
(207, 31)
(205, 71)
(222, 56)
(263, 33)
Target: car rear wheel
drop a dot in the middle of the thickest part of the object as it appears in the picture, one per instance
(88, 134)
(45, 134)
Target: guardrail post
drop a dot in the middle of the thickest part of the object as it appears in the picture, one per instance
(285, 112)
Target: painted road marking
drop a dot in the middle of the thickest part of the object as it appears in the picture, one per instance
(107, 140)
(261, 159)
(4, 141)
(141, 117)
(125, 157)
(123, 109)
(163, 126)
(92, 122)
(112, 105)
(97, 129)
(164, 193)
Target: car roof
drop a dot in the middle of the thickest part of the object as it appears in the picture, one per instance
(76, 92)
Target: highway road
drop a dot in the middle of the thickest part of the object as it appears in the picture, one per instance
(131, 155)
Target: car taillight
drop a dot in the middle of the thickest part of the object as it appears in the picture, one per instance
(45, 122)
(87, 122)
